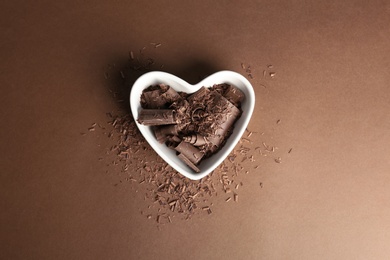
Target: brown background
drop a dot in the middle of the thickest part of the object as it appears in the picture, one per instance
(328, 199)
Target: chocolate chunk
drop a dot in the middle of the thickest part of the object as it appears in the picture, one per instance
(152, 99)
(189, 151)
(153, 117)
(226, 121)
(159, 96)
(234, 95)
(171, 95)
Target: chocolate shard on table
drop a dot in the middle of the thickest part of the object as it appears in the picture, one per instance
(196, 125)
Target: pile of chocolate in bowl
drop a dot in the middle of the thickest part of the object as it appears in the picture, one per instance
(196, 125)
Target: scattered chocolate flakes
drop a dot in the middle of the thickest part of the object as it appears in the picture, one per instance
(155, 44)
(168, 195)
(141, 51)
(248, 70)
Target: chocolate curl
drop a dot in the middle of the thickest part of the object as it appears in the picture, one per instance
(162, 132)
(158, 96)
(170, 95)
(234, 95)
(189, 151)
(152, 117)
(196, 140)
(152, 99)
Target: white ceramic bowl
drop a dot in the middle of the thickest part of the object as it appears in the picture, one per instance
(169, 155)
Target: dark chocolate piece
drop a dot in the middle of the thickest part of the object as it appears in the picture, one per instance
(159, 96)
(234, 95)
(153, 117)
(190, 151)
(199, 95)
(226, 121)
(213, 117)
(152, 99)
(171, 95)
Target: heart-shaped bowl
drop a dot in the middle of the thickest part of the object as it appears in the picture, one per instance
(169, 155)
